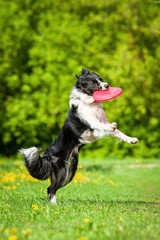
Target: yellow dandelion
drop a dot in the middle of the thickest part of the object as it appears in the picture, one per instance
(81, 180)
(78, 175)
(55, 213)
(43, 207)
(75, 181)
(112, 183)
(13, 187)
(86, 220)
(45, 216)
(80, 166)
(7, 230)
(137, 161)
(104, 224)
(95, 181)
(82, 238)
(27, 231)
(34, 207)
(23, 176)
(8, 177)
(8, 188)
(121, 219)
(14, 230)
(41, 189)
(21, 167)
(18, 184)
(12, 237)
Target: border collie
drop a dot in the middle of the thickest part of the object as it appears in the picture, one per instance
(86, 122)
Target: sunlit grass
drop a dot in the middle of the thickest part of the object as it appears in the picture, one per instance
(107, 199)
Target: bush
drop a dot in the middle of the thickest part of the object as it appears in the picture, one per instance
(43, 44)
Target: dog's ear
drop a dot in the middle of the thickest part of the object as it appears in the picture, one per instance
(85, 71)
(77, 76)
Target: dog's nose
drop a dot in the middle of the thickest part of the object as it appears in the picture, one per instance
(106, 85)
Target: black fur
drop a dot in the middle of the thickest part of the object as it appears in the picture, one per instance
(60, 150)
(63, 152)
(38, 168)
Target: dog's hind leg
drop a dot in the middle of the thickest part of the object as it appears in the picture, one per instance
(51, 190)
(52, 197)
(51, 194)
(57, 181)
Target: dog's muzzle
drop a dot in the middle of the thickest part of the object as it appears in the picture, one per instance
(104, 86)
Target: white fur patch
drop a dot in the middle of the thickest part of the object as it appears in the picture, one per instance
(88, 137)
(29, 154)
(53, 200)
(76, 97)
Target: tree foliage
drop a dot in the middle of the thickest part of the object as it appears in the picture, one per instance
(44, 44)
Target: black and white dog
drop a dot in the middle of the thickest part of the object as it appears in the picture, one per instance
(86, 122)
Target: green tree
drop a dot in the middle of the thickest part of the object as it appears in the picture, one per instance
(44, 44)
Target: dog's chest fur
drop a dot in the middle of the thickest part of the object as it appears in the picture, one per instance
(92, 114)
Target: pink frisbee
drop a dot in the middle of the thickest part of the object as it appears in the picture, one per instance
(105, 95)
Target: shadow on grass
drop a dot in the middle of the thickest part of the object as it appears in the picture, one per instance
(112, 202)
(94, 168)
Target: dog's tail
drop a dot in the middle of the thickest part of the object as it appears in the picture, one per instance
(38, 167)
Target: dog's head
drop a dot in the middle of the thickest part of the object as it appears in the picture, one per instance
(89, 82)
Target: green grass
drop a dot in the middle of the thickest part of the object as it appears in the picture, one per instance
(109, 199)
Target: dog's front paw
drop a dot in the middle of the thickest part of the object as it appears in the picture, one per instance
(114, 126)
(131, 140)
(134, 140)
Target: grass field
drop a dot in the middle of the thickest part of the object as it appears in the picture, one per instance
(109, 199)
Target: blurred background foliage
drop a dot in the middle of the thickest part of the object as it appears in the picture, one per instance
(44, 43)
